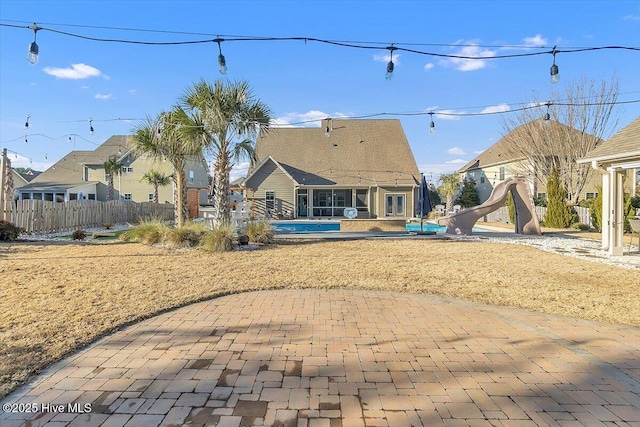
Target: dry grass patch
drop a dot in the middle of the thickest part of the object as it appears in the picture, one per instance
(58, 297)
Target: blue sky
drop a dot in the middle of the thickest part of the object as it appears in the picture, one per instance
(77, 79)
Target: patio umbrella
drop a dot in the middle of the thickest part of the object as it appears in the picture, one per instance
(424, 201)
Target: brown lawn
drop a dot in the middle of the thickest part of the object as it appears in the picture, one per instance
(56, 298)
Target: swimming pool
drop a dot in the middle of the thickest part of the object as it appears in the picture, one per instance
(314, 226)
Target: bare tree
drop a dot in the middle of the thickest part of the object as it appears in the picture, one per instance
(578, 120)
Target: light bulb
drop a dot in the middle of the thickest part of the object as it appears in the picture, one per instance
(26, 124)
(223, 64)
(390, 67)
(69, 140)
(32, 56)
(555, 77)
(432, 127)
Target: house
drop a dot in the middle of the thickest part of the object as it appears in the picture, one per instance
(318, 172)
(617, 157)
(503, 161)
(80, 174)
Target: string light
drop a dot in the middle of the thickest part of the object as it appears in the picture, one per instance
(26, 124)
(25, 139)
(32, 56)
(91, 131)
(432, 125)
(390, 65)
(547, 116)
(555, 77)
(222, 62)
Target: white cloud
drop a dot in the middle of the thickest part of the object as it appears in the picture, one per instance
(132, 91)
(386, 57)
(19, 161)
(456, 151)
(32, 84)
(445, 114)
(238, 171)
(428, 66)
(457, 162)
(104, 96)
(84, 87)
(76, 72)
(500, 108)
(632, 18)
(535, 41)
(462, 64)
(311, 118)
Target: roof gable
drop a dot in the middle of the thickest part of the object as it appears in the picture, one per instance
(626, 142)
(353, 152)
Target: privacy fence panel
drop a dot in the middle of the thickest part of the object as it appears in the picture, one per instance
(40, 216)
(502, 215)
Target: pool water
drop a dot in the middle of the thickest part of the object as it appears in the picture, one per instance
(311, 226)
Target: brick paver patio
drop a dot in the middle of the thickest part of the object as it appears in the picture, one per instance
(344, 358)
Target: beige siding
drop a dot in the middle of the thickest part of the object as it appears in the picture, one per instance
(271, 178)
(408, 195)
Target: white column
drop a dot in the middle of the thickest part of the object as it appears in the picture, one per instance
(606, 211)
(616, 213)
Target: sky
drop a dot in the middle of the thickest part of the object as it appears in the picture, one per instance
(116, 85)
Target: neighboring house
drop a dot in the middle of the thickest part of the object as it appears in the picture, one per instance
(318, 172)
(614, 159)
(80, 174)
(502, 161)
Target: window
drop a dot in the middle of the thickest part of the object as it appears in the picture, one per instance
(361, 200)
(127, 196)
(190, 177)
(91, 196)
(502, 173)
(592, 195)
(127, 169)
(269, 200)
(482, 180)
(394, 205)
(73, 196)
(151, 197)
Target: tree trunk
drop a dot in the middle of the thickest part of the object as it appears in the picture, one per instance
(180, 196)
(110, 194)
(155, 193)
(221, 188)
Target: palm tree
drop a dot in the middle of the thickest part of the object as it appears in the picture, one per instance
(449, 187)
(231, 116)
(175, 136)
(111, 167)
(157, 179)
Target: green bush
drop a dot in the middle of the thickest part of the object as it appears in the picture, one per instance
(581, 227)
(9, 231)
(148, 232)
(468, 194)
(510, 204)
(559, 214)
(595, 210)
(220, 239)
(259, 232)
(188, 235)
(79, 234)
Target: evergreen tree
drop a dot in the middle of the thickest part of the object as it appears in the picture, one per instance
(510, 204)
(559, 214)
(468, 194)
(595, 210)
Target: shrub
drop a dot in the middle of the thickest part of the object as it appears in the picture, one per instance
(9, 231)
(259, 232)
(468, 194)
(188, 235)
(220, 239)
(595, 210)
(79, 234)
(148, 232)
(581, 227)
(107, 225)
(559, 214)
(510, 204)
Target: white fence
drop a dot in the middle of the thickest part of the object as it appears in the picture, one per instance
(39, 216)
(502, 215)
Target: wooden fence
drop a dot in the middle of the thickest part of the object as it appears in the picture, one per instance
(40, 217)
(502, 214)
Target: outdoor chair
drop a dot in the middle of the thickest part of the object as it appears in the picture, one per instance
(439, 210)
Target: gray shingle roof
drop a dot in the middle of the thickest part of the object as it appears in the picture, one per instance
(627, 141)
(67, 172)
(355, 152)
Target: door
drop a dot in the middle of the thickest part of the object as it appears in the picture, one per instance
(394, 205)
(302, 205)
